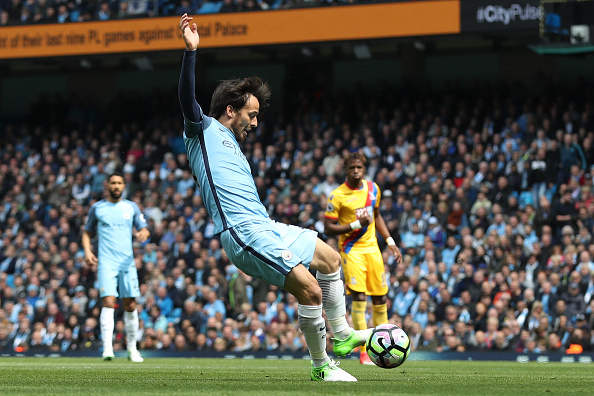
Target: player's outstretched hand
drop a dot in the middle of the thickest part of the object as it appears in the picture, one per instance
(91, 260)
(189, 32)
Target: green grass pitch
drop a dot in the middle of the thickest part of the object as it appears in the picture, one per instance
(183, 376)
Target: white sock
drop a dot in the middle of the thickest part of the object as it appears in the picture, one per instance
(313, 326)
(334, 304)
(131, 323)
(106, 319)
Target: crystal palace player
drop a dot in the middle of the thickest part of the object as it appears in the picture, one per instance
(350, 213)
(277, 253)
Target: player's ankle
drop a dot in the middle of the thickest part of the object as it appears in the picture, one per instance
(344, 334)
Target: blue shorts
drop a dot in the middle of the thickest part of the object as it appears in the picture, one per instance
(111, 279)
(269, 250)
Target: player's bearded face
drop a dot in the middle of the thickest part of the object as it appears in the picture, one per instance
(116, 187)
(246, 119)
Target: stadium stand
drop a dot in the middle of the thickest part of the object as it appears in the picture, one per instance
(18, 12)
(490, 190)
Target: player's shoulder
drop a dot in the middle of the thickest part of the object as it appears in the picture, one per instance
(217, 126)
(337, 193)
(192, 129)
(371, 185)
(343, 189)
(98, 204)
(127, 202)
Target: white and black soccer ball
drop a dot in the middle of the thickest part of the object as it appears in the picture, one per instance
(388, 346)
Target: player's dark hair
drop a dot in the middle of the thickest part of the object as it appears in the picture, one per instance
(355, 157)
(116, 173)
(236, 93)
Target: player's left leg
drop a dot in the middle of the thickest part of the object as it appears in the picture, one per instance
(354, 266)
(359, 317)
(380, 310)
(327, 264)
(130, 290)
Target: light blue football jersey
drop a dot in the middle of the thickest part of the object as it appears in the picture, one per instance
(223, 174)
(113, 223)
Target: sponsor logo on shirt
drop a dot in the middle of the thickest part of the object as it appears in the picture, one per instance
(115, 225)
(235, 148)
(361, 211)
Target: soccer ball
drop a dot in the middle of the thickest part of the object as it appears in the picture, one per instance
(388, 346)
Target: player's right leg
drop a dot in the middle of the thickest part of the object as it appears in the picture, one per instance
(305, 288)
(327, 264)
(266, 251)
(107, 325)
(108, 281)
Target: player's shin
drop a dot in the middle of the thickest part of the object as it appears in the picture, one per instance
(131, 323)
(380, 314)
(107, 325)
(334, 304)
(358, 315)
(313, 327)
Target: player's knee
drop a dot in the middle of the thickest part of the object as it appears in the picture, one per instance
(108, 302)
(129, 304)
(332, 263)
(379, 300)
(312, 295)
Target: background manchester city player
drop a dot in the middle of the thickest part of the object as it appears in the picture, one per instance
(113, 219)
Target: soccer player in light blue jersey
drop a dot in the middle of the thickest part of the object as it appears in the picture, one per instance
(113, 219)
(277, 253)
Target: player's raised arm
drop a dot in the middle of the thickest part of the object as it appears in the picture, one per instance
(187, 82)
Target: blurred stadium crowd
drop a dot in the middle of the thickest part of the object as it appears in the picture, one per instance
(23, 12)
(488, 190)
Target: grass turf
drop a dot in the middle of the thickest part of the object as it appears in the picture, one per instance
(82, 376)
